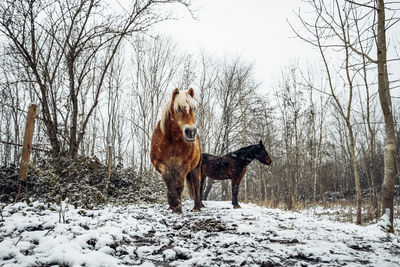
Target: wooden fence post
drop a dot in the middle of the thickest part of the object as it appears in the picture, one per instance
(27, 145)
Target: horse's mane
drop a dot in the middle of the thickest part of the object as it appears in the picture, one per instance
(182, 100)
(243, 150)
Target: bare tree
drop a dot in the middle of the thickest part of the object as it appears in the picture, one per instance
(67, 47)
(261, 126)
(315, 121)
(386, 105)
(155, 66)
(205, 83)
(290, 99)
(12, 106)
(188, 76)
(235, 86)
(113, 119)
(333, 22)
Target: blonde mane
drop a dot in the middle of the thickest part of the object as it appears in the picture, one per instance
(182, 100)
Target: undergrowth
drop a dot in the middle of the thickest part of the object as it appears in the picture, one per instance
(83, 182)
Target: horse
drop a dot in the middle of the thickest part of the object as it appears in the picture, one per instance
(232, 166)
(175, 149)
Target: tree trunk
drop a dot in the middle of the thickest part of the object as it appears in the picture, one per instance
(386, 104)
(73, 145)
(356, 172)
(109, 164)
(372, 176)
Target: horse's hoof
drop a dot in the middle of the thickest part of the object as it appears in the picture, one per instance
(177, 211)
(196, 210)
(237, 207)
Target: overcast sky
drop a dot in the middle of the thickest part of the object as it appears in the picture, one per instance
(257, 30)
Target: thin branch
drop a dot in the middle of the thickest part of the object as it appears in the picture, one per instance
(360, 4)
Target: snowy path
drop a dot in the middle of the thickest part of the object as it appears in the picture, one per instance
(217, 236)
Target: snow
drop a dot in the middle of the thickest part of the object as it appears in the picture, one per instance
(150, 235)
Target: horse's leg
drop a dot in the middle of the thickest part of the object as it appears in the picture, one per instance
(194, 178)
(174, 187)
(235, 191)
(179, 190)
(202, 182)
(174, 201)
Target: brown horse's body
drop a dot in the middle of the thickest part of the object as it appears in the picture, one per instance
(175, 149)
(232, 166)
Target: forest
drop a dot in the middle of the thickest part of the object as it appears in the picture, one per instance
(100, 79)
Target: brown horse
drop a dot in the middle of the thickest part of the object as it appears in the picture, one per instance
(232, 166)
(175, 149)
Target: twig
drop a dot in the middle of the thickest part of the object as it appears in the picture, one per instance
(33, 146)
(20, 110)
(360, 4)
(18, 241)
(1, 213)
(51, 229)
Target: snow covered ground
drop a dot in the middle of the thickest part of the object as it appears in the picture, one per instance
(149, 235)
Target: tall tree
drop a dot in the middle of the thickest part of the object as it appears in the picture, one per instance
(386, 104)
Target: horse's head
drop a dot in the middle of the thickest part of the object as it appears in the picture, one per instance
(181, 110)
(261, 154)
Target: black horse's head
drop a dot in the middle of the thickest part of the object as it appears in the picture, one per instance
(261, 154)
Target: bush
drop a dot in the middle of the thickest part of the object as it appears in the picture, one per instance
(83, 181)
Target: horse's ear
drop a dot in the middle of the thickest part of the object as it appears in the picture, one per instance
(191, 92)
(261, 142)
(175, 93)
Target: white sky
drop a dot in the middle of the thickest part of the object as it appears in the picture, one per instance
(257, 30)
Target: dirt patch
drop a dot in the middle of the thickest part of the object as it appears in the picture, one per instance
(210, 225)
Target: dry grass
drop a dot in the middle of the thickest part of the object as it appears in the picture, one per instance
(339, 210)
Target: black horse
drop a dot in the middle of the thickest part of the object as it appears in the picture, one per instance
(232, 166)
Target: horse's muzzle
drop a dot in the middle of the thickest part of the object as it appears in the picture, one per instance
(189, 132)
